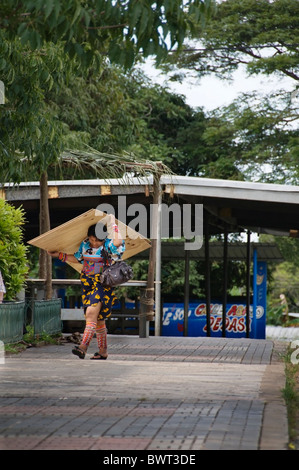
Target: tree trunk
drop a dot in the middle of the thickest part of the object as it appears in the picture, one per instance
(45, 260)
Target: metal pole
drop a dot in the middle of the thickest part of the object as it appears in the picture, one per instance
(143, 323)
(186, 293)
(207, 276)
(248, 286)
(254, 292)
(224, 283)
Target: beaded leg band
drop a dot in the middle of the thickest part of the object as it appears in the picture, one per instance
(101, 333)
(88, 333)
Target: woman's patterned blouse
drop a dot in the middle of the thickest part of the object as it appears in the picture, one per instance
(92, 258)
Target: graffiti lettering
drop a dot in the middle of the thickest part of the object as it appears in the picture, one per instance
(235, 320)
(235, 325)
(216, 309)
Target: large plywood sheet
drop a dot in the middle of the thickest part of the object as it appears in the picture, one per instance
(68, 236)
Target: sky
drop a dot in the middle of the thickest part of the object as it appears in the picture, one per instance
(211, 92)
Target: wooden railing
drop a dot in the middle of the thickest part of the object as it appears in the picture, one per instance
(123, 320)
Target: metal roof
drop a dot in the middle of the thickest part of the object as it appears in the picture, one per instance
(260, 207)
(236, 205)
(172, 250)
(231, 189)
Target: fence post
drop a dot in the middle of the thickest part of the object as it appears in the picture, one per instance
(143, 322)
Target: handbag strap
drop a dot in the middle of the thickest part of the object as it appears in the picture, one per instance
(106, 257)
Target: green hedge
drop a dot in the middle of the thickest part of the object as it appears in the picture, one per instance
(13, 259)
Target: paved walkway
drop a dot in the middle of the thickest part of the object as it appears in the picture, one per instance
(153, 394)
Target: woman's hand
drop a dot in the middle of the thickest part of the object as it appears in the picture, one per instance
(54, 254)
(108, 220)
(70, 258)
(112, 229)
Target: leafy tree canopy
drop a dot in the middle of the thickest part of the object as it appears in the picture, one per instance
(254, 138)
(262, 35)
(256, 132)
(117, 28)
(30, 133)
(45, 45)
(124, 113)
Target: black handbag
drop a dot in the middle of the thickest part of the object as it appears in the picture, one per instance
(116, 272)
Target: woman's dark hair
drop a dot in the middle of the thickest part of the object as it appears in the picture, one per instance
(98, 230)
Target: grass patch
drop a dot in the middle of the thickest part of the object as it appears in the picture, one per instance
(291, 395)
(30, 340)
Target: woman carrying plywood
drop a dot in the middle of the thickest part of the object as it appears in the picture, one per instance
(97, 299)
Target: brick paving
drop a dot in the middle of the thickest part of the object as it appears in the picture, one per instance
(152, 394)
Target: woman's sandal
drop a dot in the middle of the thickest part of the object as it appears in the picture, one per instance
(98, 357)
(78, 352)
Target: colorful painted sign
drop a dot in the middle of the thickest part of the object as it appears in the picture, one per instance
(173, 320)
(173, 313)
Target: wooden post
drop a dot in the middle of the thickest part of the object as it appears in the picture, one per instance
(45, 260)
(150, 289)
(158, 280)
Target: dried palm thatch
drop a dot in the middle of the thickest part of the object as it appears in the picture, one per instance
(105, 165)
